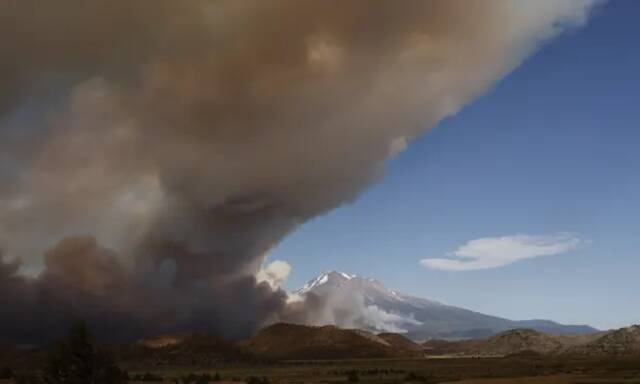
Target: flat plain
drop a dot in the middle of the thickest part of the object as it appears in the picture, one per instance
(524, 370)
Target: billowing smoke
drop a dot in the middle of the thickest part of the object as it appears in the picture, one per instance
(153, 151)
(347, 309)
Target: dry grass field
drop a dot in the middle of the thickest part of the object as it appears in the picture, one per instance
(455, 370)
(556, 379)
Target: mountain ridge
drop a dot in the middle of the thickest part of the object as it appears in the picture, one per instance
(418, 318)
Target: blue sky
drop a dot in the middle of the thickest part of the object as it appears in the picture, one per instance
(551, 151)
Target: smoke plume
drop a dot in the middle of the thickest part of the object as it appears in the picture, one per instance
(153, 151)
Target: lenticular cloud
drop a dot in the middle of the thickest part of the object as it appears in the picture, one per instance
(494, 252)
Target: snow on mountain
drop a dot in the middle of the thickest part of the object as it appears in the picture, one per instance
(360, 302)
(374, 291)
(335, 276)
(352, 301)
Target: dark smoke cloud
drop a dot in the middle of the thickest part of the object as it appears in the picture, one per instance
(187, 138)
(83, 280)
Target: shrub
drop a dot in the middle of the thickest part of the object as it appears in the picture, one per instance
(192, 378)
(150, 377)
(6, 373)
(257, 380)
(27, 378)
(413, 377)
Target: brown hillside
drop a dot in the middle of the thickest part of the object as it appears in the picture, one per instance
(299, 342)
(439, 347)
(401, 343)
(517, 341)
(624, 341)
(522, 340)
(185, 349)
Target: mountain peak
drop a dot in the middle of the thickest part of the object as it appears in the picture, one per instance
(339, 275)
(362, 302)
(332, 280)
(331, 277)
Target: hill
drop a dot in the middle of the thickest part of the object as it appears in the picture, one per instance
(298, 342)
(623, 341)
(400, 342)
(185, 349)
(519, 341)
(512, 342)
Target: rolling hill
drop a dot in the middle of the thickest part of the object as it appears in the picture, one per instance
(623, 341)
(300, 342)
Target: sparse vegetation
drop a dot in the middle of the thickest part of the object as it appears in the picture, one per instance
(76, 360)
(146, 377)
(6, 373)
(413, 377)
(353, 376)
(257, 380)
(544, 369)
(28, 378)
(203, 378)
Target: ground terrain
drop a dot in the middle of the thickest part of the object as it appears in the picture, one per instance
(524, 370)
(578, 370)
(286, 353)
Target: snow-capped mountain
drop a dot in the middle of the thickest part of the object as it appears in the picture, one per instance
(355, 301)
(336, 277)
(373, 291)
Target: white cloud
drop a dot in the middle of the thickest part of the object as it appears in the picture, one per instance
(274, 274)
(494, 252)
